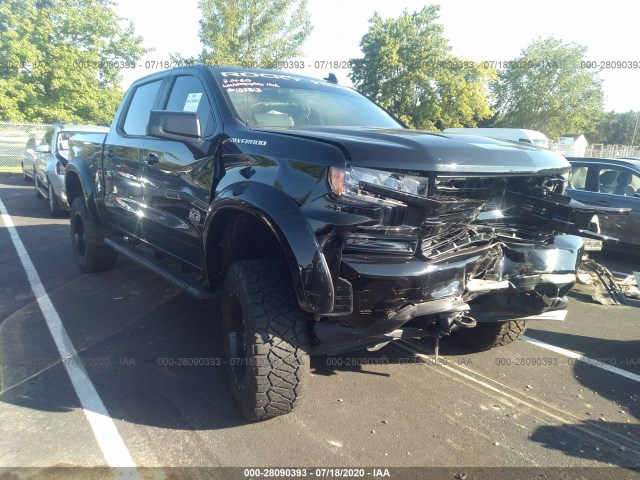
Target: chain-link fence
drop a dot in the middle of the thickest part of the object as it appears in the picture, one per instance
(13, 138)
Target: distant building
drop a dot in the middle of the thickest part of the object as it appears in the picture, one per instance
(573, 144)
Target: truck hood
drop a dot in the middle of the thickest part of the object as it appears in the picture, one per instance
(415, 150)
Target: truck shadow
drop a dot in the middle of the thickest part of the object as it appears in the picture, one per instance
(622, 354)
(162, 369)
(621, 449)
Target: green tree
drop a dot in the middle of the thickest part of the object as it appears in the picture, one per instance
(61, 59)
(617, 128)
(408, 69)
(252, 32)
(548, 88)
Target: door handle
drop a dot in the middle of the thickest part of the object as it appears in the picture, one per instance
(602, 203)
(151, 159)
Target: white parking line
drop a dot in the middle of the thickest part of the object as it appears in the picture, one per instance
(113, 448)
(582, 358)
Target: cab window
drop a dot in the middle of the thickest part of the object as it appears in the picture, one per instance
(188, 95)
(144, 98)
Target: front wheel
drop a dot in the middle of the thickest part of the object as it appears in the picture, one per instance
(87, 237)
(487, 335)
(266, 339)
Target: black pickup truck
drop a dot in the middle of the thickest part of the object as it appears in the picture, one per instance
(321, 221)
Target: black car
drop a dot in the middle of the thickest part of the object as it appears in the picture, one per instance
(322, 222)
(610, 182)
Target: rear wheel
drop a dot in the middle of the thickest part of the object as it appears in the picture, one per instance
(266, 339)
(87, 236)
(487, 335)
(54, 203)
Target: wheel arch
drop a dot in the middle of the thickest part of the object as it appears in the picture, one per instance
(78, 182)
(262, 218)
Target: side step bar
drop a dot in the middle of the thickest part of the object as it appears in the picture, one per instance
(180, 280)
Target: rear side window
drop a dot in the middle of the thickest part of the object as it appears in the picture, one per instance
(188, 95)
(578, 179)
(618, 181)
(140, 106)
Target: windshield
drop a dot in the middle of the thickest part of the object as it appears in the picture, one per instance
(282, 100)
(63, 140)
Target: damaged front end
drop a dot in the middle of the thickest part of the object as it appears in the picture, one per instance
(432, 253)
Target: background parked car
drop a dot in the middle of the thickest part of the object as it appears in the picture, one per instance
(51, 158)
(28, 156)
(610, 183)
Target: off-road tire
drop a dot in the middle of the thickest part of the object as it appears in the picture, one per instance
(54, 204)
(487, 335)
(276, 339)
(87, 238)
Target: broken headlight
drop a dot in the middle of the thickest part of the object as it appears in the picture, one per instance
(352, 182)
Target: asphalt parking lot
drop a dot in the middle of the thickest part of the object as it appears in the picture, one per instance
(150, 352)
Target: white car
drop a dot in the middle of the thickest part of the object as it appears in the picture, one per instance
(28, 156)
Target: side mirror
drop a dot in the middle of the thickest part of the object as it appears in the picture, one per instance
(43, 148)
(30, 151)
(179, 126)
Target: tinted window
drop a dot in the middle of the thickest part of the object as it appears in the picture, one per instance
(141, 104)
(618, 181)
(578, 179)
(188, 95)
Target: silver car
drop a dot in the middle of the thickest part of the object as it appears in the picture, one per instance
(49, 161)
(28, 155)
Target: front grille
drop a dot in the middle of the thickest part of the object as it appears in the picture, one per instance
(463, 187)
(522, 219)
(435, 248)
(494, 190)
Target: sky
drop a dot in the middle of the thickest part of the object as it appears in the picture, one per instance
(484, 30)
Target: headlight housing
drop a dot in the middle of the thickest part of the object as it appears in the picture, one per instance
(350, 182)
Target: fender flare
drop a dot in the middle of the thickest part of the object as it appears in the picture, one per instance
(311, 276)
(80, 169)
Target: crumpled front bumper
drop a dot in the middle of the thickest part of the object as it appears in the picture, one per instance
(522, 282)
(383, 285)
